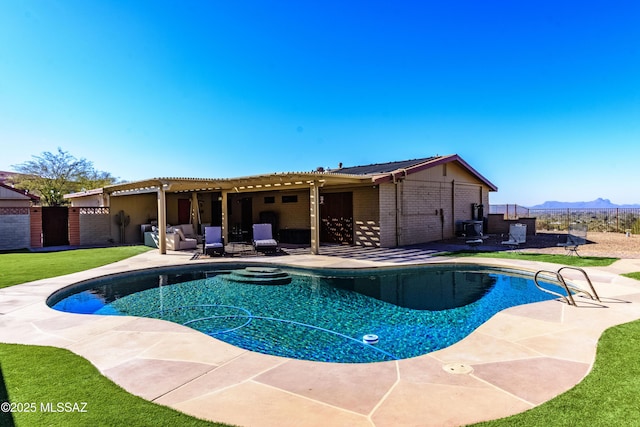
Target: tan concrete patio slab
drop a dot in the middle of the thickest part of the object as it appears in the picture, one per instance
(412, 404)
(251, 404)
(152, 378)
(521, 357)
(237, 371)
(534, 380)
(354, 387)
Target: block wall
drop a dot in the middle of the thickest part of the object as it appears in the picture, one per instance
(497, 224)
(387, 207)
(429, 203)
(95, 226)
(14, 228)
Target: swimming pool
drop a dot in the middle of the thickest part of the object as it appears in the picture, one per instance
(320, 315)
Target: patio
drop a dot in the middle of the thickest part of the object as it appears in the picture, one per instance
(518, 359)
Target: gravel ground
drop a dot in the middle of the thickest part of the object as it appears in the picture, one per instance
(616, 245)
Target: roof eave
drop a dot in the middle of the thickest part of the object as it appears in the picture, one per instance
(401, 173)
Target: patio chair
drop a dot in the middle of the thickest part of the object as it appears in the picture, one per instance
(263, 240)
(213, 242)
(576, 236)
(517, 235)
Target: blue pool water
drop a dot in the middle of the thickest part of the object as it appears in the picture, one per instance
(320, 315)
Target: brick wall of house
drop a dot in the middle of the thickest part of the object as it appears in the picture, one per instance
(14, 228)
(74, 226)
(35, 226)
(431, 202)
(387, 207)
(421, 217)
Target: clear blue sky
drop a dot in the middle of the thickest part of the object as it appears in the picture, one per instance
(541, 97)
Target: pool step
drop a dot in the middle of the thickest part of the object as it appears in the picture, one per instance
(259, 276)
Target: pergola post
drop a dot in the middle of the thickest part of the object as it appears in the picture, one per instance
(225, 217)
(195, 212)
(162, 220)
(314, 206)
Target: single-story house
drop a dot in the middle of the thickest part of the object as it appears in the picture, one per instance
(16, 198)
(379, 205)
(15, 217)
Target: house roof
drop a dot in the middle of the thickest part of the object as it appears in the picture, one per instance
(386, 172)
(366, 174)
(23, 193)
(380, 168)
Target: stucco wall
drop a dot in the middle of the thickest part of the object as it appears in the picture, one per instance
(366, 216)
(290, 215)
(140, 208)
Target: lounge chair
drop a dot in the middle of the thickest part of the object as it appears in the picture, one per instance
(517, 235)
(213, 242)
(576, 236)
(263, 240)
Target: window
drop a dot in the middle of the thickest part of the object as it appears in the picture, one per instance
(289, 199)
(269, 199)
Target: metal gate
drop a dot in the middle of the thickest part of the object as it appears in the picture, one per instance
(55, 226)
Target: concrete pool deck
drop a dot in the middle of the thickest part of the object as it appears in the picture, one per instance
(520, 358)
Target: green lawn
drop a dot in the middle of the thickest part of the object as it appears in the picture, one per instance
(35, 379)
(635, 275)
(42, 375)
(21, 267)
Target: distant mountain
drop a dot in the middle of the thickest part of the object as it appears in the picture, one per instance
(594, 204)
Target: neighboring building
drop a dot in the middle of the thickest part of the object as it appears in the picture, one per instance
(15, 217)
(15, 198)
(381, 205)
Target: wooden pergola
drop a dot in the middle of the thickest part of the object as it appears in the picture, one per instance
(287, 181)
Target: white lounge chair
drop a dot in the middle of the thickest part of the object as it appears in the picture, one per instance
(213, 242)
(576, 236)
(517, 235)
(263, 240)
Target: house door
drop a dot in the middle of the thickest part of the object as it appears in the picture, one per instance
(336, 218)
(184, 211)
(55, 226)
(216, 210)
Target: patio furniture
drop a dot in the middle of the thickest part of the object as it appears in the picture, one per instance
(213, 242)
(263, 240)
(517, 235)
(175, 240)
(576, 236)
